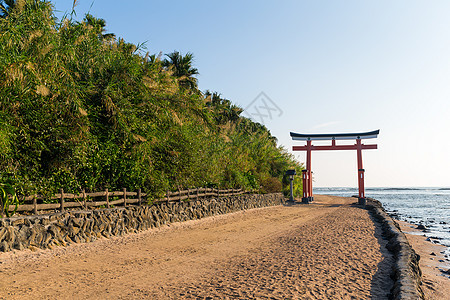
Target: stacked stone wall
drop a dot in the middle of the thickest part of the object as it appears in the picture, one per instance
(61, 229)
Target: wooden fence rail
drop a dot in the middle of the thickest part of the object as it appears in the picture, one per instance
(86, 200)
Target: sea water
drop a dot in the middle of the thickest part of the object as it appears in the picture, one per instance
(427, 206)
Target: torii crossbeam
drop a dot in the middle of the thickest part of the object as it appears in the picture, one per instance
(307, 178)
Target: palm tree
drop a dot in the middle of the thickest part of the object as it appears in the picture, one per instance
(99, 27)
(182, 68)
(223, 109)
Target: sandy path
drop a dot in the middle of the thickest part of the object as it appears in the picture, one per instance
(325, 250)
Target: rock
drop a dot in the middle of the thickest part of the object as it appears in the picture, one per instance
(2, 233)
(77, 222)
(422, 227)
(73, 230)
(46, 239)
(53, 217)
(17, 222)
(55, 229)
(33, 248)
(27, 222)
(11, 234)
(432, 253)
(18, 245)
(4, 246)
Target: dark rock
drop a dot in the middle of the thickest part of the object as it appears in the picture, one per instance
(420, 226)
(4, 246)
(77, 222)
(3, 232)
(432, 253)
(46, 239)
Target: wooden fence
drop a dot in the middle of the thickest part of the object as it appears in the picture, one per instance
(86, 200)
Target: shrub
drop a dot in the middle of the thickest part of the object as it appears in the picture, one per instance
(271, 185)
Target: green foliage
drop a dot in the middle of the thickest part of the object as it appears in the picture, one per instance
(8, 197)
(271, 185)
(181, 66)
(80, 109)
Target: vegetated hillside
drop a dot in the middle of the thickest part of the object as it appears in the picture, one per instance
(80, 108)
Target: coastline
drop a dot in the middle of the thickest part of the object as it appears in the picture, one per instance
(427, 206)
(434, 284)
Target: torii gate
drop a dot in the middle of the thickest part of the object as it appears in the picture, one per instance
(307, 178)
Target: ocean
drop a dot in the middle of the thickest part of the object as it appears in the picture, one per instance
(427, 206)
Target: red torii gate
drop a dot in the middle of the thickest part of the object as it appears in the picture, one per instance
(307, 176)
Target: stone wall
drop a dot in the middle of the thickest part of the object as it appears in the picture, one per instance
(50, 230)
(406, 272)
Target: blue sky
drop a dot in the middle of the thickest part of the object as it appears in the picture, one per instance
(329, 66)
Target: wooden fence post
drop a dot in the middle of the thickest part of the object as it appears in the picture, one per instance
(139, 197)
(84, 199)
(124, 197)
(196, 198)
(167, 196)
(61, 200)
(35, 211)
(107, 198)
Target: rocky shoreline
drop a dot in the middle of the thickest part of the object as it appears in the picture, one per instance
(406, 271)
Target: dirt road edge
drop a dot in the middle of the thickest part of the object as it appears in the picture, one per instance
(406, 273)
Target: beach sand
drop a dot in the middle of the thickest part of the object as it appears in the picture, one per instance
(329, 249)
(434, 285)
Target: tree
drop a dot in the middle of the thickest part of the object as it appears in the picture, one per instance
(6, 6)
(99, 27)
(224, 110)
(182, 68)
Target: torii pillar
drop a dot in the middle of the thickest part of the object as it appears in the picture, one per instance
(359, 146)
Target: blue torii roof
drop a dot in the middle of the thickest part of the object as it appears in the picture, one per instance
(334, 136)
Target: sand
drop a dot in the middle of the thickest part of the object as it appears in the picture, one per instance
(434, 284)
(329, 249)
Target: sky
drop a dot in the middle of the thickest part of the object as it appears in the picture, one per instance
(316, 67)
